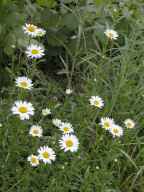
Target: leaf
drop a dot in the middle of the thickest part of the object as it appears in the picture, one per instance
(70, 21)
(129, 158)
(63, 71)
(47, 3)
(100, 2)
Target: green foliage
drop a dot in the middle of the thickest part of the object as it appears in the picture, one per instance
(49, 4)
(79, 56)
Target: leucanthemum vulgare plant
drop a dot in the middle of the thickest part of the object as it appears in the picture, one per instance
(24, 109)
(71, 113)
(68, 142)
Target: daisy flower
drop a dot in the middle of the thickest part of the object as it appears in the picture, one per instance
(35, 51)
(46, 154)
(57, 122)
(30, 30)
(24, 82)
(34, 161)
(96, 101)
(116, 130)
(46, 112)
(68, 91)
(66, 128)
(69, 143)
(106, 122)
(129, 123)
(111, 34)
(23, 109)
(36, 131)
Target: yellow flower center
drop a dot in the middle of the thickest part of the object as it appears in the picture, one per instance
(110, 35)
(96, 103)
(106, 125)
(31, 28)
(65, 129)
(24, 84)
(35, 131)
(115, 131)
(69, 143)
(23, 109)
(46, 155)
(129, 125)
(34, 160)
(35, 51)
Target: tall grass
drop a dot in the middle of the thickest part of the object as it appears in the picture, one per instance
(80, 57)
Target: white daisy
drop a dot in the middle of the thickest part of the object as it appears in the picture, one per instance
(111, 34)
(34, 161)
(57, 122)
(96, 101)
(40, 32)
(116, 130)
(68, 91)
(46, 154)
(106, 122)
(129, 123)
(66, 128)
(24, 82)
(36, 131)
(23, 109)
(46, 112)
(35, 51)
(69, 143)
(30, 30)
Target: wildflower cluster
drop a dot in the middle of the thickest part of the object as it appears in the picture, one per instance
(71, 115)
(24, 109)
(68, 142)
(108, 123)
(45, 154)
(34, 51)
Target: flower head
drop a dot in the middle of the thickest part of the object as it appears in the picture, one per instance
(36, 131)
(116, 130)
(111, 34)
(46, 154)
(69, 143)
(24, 82)
(23, 109)
(34, 161)
(96, 101)
(106, 122)
(129, 123)
(35, 51)
(33, 30)
(46, 112)
(57, 122)
(30, 30)
(66, 128)
(68, 91)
